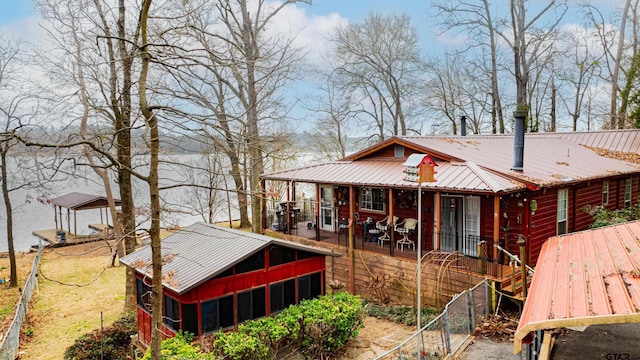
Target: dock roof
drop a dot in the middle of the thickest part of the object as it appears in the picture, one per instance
(82, 201)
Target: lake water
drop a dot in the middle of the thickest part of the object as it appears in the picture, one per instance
(29, 214)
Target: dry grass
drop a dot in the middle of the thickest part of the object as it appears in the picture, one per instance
(9, 296)
(59, 313)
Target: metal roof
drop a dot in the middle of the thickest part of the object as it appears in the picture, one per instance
(626, 140)
(585, 278)
(389, 172)
(547, 160)
(201, 251)
(81, 201)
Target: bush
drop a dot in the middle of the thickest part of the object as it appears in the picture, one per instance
(318, 328)
(180, 347)
(116, 340)
(603, 217)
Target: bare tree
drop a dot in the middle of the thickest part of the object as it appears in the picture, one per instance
(335, 114)
(10, 53)
(477, 20)
(577, 72)
(379, 62)
(95, 53)
(530, 41)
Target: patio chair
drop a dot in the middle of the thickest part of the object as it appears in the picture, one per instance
(384, 226)
(409, 225)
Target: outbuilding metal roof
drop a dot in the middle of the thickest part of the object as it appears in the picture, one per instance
(201, 251)
(585, 278)
(81, 201)
(389, 172)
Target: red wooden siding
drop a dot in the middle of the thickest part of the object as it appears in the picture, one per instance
(230, 285)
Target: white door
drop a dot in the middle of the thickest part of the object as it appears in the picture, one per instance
(326, 208)
(471, 226)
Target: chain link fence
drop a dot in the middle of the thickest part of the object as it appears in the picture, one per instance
(11, 341)
(447, 332)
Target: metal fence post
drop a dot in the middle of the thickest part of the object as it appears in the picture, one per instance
(472, 311)
(447, 333)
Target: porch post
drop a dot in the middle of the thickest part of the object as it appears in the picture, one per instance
(317, 212)
(55, 216)
(352, 258)
(391, 236)
(288, 213)
(438, 225)
(75, 222)
(263, 208)
(496, 224)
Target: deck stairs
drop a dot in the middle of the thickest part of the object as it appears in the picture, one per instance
(512, 277)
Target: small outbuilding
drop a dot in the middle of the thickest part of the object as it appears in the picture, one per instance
(584, 278)
(216, 278)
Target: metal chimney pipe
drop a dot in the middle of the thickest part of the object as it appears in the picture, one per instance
(518, 140)
(463, 125)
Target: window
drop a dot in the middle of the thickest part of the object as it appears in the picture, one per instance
(372, 199)
(627, 193)
(253, 263)
(217, 314)
(309, 286)
(171, 313)
(282, 294)
(305, 255)
(251, 304)
(398, 151)
(279, 255)
(143, 294)
(605, 192)
(190, 318)
(562, 211)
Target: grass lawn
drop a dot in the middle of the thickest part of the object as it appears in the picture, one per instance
(61, 313)
(9, 296)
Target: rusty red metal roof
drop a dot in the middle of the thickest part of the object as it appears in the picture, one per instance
(585, 278)
(480, 163)
(548, 160)
(389, 172)
(81, 201)
(626, 140)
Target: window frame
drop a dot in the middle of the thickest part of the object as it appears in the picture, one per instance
(562, 209)
(627, 192)
(171, 320)
(217, 326)
(285, 299)
(252, 295)
(605, 192)
(372, 200)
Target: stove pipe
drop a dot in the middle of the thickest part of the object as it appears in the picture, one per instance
(463, 125)
(518, 140)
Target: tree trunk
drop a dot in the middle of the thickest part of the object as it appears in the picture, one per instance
(154, 193)
(13, 277)
(617, 120)
(256, 165)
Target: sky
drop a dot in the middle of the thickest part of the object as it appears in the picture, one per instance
(315, 23)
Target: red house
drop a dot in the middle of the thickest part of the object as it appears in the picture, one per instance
(481, 201)
(215, 278)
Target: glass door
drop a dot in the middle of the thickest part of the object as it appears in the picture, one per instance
(326, 208)
(471, 226)
(451, 226)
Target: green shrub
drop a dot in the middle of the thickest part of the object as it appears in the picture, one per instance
(329, 322)
(180, 347)
(603, 217)
(317, 327)
(114, 345)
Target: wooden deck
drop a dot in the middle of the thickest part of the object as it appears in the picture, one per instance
(500, 273)
(51, 235)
